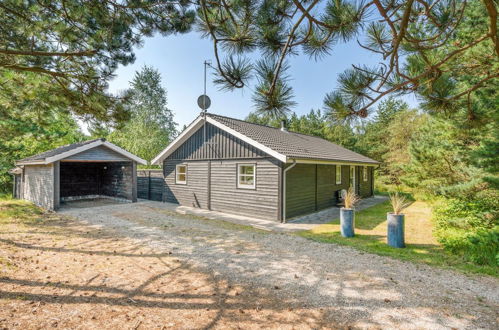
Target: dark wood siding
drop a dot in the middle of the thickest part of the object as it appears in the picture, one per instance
(100, 153)
(261, 202)
(220, 145)
(326, 186)
(312, 187)
(150, 184)
(195, 192)
(300, 190)
(212, 175)
(117, 180)
(113, 179)
(365, 187)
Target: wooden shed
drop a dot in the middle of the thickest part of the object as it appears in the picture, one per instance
(229, 165)
(89, 169)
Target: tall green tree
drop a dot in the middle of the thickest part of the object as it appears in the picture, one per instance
(77, 45)
(386, 138)
(27, 125)
(373, 134)
(471, 125)
(151, 126)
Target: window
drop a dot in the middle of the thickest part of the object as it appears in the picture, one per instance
(364, 173)
(338, 174)
(181, 174)
(246, 176)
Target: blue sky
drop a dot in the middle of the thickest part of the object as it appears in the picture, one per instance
(180, 59)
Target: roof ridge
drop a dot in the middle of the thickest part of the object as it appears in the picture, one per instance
(276, 128)
(244, 121)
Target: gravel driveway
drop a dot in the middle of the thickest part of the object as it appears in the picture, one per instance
(359, 289)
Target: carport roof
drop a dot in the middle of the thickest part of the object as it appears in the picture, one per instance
(65, 151)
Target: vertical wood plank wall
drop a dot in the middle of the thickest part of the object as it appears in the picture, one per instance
(212, 176)
(150, 184)
(39, 185)
(261, 202)
(113, 179)
(195, 192)
(100, 153)
(212, 179)
(312, 187)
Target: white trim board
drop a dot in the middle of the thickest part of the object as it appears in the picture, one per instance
(177, 142)
(331, 162)
(196, 124)
(86, 147)
(275, 154)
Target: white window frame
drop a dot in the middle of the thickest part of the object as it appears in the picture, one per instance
(338, 174)
(246, 186)
(364, 173)
(177, 173)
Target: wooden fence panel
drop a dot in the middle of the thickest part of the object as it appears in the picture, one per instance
(150, 184)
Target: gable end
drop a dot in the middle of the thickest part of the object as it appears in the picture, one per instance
(219, 145)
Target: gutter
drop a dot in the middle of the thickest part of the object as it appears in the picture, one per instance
(284, 190)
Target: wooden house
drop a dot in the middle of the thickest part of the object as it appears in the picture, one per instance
(229, 165)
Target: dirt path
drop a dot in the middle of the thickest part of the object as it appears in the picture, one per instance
(196, 273)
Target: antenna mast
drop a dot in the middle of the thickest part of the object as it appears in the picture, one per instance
(204, 101)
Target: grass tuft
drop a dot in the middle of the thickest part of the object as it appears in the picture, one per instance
(13, 210)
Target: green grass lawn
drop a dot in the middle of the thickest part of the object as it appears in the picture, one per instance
(421, 246)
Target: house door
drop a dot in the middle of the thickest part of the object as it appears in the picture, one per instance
(353, 180)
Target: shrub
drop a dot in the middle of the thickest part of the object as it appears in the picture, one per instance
(466, 214)
(469, 227)
(484, 247)
(480, 247)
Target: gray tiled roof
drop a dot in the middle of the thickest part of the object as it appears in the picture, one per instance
(293, 145)
(56, 151)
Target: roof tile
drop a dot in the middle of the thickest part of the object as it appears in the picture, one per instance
(53, 152)
(291, 144)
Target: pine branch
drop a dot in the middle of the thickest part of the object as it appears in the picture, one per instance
(492, 10)
(39, 53)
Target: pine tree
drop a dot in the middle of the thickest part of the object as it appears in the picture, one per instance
(78, 45)
(415, 41)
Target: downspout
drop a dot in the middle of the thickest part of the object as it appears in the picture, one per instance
(284, 190)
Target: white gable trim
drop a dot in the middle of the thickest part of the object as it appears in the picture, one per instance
(178, 141)
(195, 125)
(35, 162)
(73, 152)
(248, 140)
(124, 152)
(85, 147)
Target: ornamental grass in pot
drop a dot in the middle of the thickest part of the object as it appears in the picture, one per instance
(395, 221)
(347, 216)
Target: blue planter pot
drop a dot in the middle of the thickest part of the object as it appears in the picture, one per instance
(395, 234)
(347, 222)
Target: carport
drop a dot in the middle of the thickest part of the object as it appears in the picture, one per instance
(85, 170)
